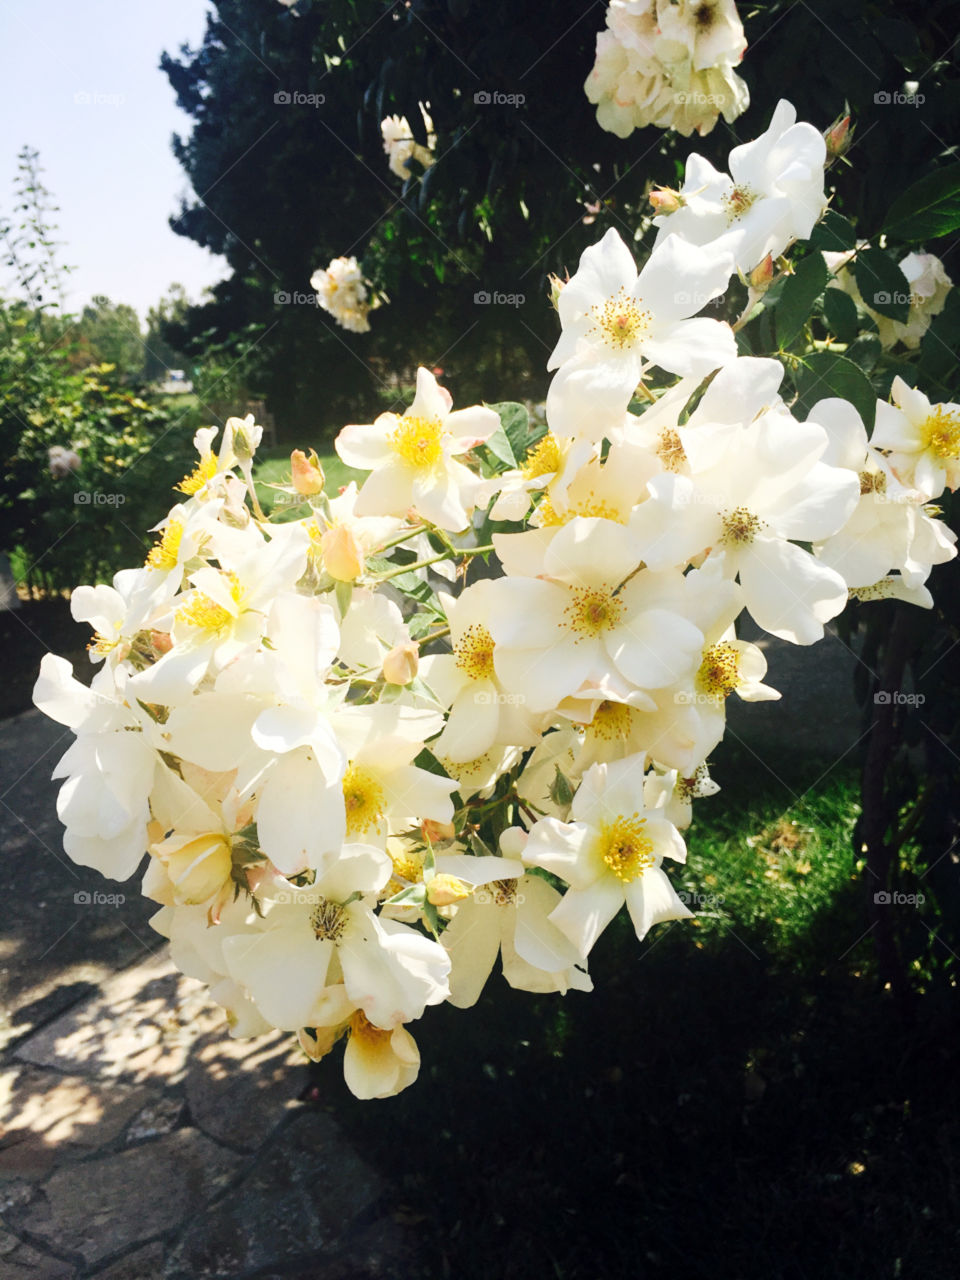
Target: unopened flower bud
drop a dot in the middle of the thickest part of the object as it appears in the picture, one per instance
(556, 288)
(246, 436)
(342, 555)
(401, 664)
(308, 477)
(561, 789)
(838, 137)
(665, 200)
(437, 832)
(762, 275)
(446, 891)
(161, 641)
(199, 868)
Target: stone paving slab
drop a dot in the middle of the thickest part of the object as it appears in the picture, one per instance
(54, 950)
(105, 1205)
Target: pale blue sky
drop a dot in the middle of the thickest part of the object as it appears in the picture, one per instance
(107, 159)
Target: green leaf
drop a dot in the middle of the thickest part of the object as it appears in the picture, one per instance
(800, 292)
(882, 284)
(833, 233)
(827, 374)
(941, 341)
(499, 446)
(413, 895)
(515, 424)
(928, 209)
(840, 314)
(865, 351)
(343, 592)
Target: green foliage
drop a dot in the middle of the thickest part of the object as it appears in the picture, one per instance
(109, 333)
(929, 209)
(826, 373)
(75, 527)
(800, 292)
(882, 284)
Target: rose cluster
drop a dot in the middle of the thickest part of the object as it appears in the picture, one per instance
(344, 294)
(363, 772)
(668, 63)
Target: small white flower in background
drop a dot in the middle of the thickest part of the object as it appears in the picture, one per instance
(772, 195)
(401, 147)
(62, 461)
(922, 439)
(929, 286)
(668, 63)
(609, 854)
(343, 292)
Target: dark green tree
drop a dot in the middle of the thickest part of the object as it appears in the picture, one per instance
(285, 182)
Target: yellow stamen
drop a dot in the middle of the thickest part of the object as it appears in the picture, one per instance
(363, 799)
(719, 673)
(473, 653)
(328, 921)
(670, 450)
(941, 434)
(589, 508)
(593, 610)
(209, 615)
(204, 471)
(740, 527)
(544, 459)
(739, 201)
(417, 441)
(626, 848)
(621, 322)
(101, 645)
(611, 721)
(166, 550)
